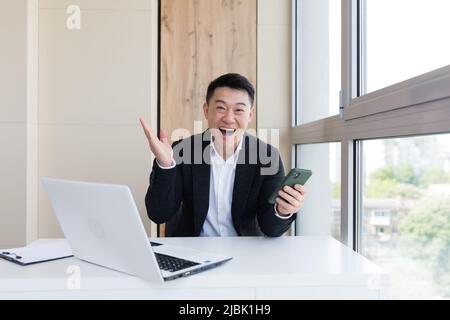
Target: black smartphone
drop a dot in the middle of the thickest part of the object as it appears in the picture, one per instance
(295, 176)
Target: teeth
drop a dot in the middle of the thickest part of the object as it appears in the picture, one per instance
(227, 129)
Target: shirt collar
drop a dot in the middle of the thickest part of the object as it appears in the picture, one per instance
(231, 159)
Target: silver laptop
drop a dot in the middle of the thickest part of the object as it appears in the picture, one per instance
(102, 225)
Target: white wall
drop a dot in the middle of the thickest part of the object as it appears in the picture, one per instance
(70, 102)
(274, 72)
(94, 83)
(16, 116)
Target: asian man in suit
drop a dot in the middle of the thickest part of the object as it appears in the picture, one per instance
(218, 183)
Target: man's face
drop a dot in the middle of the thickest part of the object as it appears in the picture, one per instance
(229, 112)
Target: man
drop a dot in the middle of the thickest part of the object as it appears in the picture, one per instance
(218, 183)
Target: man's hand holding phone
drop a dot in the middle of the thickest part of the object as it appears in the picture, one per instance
(290, 194)
(290, 199)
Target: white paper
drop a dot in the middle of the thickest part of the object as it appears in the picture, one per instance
(40, 251)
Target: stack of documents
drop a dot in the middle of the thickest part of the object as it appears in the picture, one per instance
(36, 252)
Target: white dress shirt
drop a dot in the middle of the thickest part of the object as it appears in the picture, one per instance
(219, 221)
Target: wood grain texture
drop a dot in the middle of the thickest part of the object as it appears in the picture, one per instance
(201, 40)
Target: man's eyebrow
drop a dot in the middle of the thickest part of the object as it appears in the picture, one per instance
(238, 103)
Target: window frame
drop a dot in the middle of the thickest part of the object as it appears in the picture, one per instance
(418, 106)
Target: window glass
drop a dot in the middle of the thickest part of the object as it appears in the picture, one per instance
(321, 214)
(318, 78)
(404, 39)
(405, 219)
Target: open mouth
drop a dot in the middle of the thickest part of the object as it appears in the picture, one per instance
(226, 132)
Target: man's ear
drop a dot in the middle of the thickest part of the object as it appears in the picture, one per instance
(251, 114)
(205, 110)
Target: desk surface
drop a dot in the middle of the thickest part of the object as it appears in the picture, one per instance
(292, 267)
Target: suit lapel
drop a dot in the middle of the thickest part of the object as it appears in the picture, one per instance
(201, 180)
(242, 183)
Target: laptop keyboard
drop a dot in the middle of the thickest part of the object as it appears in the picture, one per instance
(172, 264)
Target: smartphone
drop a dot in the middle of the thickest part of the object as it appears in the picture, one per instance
(295, 176)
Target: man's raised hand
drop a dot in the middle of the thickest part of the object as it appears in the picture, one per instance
(160, 147)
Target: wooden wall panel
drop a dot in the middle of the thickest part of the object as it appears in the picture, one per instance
(200, 40)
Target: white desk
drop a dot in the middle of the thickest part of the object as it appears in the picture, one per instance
(261, 268)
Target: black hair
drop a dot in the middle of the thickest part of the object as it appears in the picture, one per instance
(233, 81)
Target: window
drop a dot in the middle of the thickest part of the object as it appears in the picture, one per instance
(391, 138)
(321, 214)
(404, 39)
(409, 176)
(318, 55)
